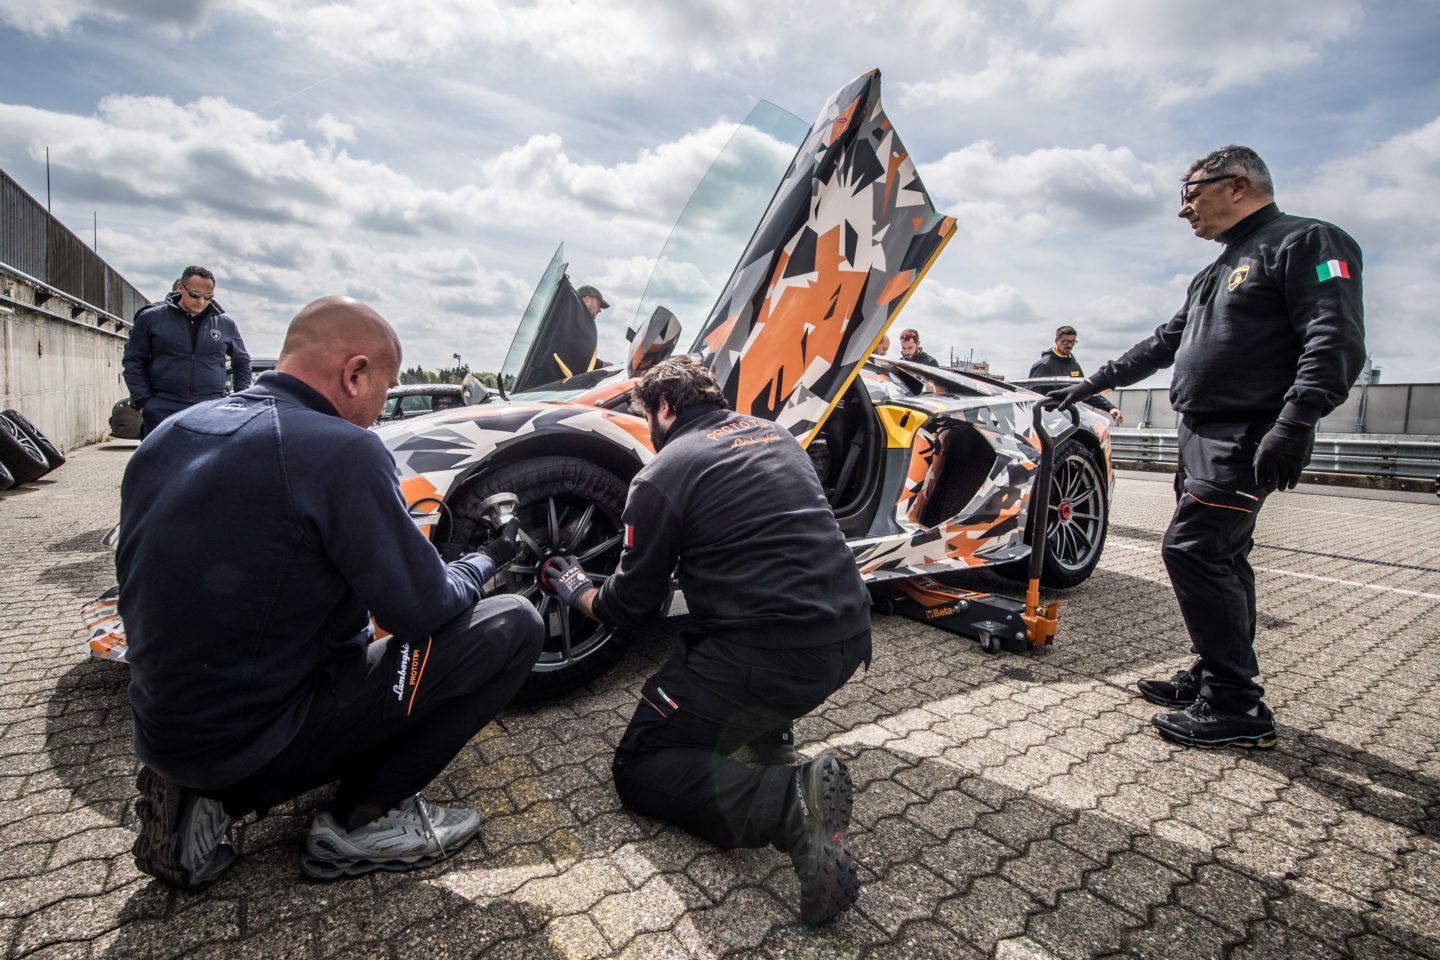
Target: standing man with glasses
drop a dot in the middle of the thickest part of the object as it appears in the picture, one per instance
(176, 353)
(1059, 361)
(1270, 339)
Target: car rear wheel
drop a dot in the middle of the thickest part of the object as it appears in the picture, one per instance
(567, 506)
(1079, 519)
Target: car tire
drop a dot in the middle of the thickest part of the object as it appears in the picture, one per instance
(1079, 521)
(566, 506)
(21, 454)
(7, 479)
(52, 452)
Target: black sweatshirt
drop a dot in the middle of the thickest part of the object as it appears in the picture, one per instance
(258, 535)
(1274, 327)
(1051, 364)
(735, 501)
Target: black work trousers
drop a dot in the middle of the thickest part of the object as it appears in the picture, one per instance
(386, 723)
(710, 698)
(1207, 549)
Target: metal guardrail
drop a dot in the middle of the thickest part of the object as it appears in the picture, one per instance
(1369, 456)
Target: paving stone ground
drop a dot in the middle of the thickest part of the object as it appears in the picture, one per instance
(1017, 807)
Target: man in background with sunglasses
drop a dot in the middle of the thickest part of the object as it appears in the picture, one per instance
(1270, 339)
(176, 353)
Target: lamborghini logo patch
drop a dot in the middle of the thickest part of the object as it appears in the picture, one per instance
(1237, 277)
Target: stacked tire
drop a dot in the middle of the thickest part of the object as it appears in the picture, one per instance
(26, 454)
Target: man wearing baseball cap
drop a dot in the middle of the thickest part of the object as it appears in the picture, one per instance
(592, 299)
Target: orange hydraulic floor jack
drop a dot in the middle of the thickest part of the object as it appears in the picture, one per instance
(997, 621)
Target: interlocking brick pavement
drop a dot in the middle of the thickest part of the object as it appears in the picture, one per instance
(1012, 806)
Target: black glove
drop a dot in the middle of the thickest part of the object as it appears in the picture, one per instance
(505, 544)
(564, 577)
(1283, 453)
(1073, 394)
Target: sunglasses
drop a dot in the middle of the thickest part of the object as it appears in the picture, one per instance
(197, 296)
(1187, 197)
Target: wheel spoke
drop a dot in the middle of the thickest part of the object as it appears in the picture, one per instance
(582, 526)
(601, 547)
(522, 570)
(553, 522)
(529, 541)
(564, 634)
(1077, 515)
(529, 592)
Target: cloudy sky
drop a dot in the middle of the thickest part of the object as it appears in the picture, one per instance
(429, 156)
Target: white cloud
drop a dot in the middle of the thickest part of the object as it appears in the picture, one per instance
(1025, 197)
(52, 16)
(617, 40)
(1168, 53)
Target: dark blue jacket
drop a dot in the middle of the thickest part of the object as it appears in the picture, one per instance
(259, 532)
(174, 357)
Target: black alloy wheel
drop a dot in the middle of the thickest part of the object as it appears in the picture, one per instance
(567, 507)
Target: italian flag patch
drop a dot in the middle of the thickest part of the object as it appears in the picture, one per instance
(1331, 270)
(629, 537)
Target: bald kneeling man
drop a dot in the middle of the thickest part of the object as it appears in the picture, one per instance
(260, 534)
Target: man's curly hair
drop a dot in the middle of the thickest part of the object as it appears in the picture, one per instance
(684, 381)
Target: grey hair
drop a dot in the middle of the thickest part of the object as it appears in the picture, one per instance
(1238, 160)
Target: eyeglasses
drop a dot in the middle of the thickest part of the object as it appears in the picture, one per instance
(197, 296)
(1187, 197)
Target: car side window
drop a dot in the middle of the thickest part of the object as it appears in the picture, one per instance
(411, 406)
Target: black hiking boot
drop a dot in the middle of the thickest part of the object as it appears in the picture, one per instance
(816, 818)
(775, 749)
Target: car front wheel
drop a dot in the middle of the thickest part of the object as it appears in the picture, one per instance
(1078, 520)
(567, 506)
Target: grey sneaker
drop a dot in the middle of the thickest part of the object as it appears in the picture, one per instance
(415, 834)
(815, 826)
(183, 837)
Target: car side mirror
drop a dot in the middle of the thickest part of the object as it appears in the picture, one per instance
(653, 342)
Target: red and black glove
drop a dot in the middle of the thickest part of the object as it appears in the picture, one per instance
(1283, 453)
(564, 577)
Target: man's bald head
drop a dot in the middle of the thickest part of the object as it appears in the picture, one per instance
(346, 352)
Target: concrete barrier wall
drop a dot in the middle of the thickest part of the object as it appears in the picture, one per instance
(59, 361)
(1399, 409)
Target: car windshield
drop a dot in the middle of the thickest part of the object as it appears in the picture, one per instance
(721, 216)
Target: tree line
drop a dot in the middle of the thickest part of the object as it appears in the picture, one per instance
(453, 374)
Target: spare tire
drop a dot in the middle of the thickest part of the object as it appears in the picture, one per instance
(21, 454)
(52, 452)
(567, 506)
(126, 423)
(7, 479)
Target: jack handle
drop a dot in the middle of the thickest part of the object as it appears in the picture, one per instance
(1042, 622)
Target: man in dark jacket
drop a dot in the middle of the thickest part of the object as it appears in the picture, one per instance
(782, 619)
(1059, 361)
(177, 349)
(1270, 339)
(910, 348)
(255, 672)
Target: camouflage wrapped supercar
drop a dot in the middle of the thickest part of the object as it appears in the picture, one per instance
(928, 470)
